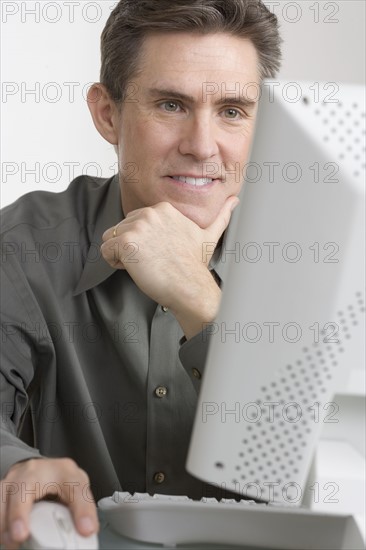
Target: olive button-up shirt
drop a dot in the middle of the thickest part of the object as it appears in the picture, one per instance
(111, 380)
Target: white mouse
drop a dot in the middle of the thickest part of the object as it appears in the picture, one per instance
(52, 527)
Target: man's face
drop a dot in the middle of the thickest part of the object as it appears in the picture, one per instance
(189, 114)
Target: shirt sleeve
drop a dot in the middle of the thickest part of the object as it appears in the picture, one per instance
(193, 354)
(16, 370)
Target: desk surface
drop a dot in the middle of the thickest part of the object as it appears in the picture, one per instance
(110, 540)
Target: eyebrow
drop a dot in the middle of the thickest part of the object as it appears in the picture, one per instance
(173, 94)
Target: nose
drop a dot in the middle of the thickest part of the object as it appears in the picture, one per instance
(199, 138)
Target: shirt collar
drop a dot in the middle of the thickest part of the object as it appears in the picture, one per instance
(96, 269)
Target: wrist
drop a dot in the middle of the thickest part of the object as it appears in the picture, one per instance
(197, 306)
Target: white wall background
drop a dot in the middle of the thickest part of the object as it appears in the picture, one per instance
(50, 52)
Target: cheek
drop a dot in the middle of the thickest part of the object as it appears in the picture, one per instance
(241, 148)
(153, 143)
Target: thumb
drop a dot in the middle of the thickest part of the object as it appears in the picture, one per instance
(218, 226)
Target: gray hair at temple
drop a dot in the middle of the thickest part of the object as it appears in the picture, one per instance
(132, 21)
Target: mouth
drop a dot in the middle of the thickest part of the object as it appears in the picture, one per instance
(194, 181)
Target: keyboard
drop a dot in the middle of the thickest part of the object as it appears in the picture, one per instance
(172, 520)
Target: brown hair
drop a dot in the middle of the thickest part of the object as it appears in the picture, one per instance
(132, 20)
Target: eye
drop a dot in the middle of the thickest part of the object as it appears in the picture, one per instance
(170, 106)
(233, 114)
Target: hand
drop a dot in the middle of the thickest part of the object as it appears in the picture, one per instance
(36, 479)
(165, 254)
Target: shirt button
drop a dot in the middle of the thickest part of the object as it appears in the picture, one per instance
(161, 391)
(196, 373)
(164, 308)
(159, 477)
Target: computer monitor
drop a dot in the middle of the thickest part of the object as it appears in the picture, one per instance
(291, 321)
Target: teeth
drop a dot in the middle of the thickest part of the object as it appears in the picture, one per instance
(194, 181)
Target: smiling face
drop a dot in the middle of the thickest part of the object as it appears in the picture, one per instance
(183, 134)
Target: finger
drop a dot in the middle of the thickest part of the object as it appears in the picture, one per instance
(133, 213)
(16, 502)
(113, 252)
(82, 505)
(72, 488)
(216, 229)
(117, 230)
(85, 517)
(17, 516)
(109, 233)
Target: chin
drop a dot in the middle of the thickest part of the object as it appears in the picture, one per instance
(197, 215)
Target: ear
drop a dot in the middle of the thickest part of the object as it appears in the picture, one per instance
(104, 112)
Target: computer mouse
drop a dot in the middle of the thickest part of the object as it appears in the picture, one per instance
(52, 528)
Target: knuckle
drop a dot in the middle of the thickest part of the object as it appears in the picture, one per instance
(69, 464)
(151, 213)
(32, 465)
(139, 227)
(124, 241)
(165, 206)
(83, 476)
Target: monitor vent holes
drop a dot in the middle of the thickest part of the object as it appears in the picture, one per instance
(286, 402)
(343, 127)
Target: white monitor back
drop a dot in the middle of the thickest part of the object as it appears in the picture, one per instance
(291, 322)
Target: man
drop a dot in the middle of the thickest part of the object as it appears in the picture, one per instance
(108, 338)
